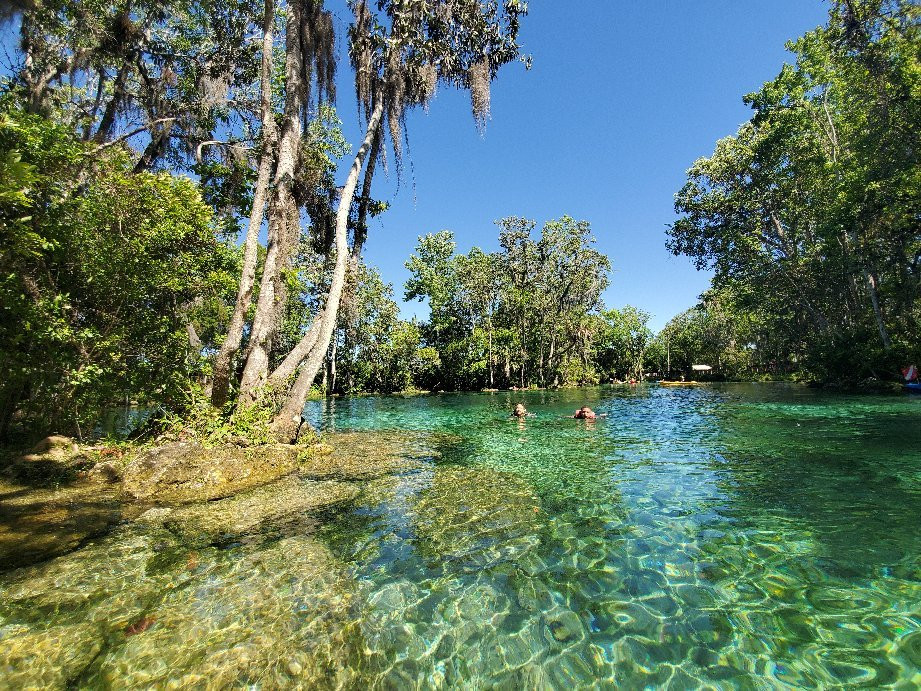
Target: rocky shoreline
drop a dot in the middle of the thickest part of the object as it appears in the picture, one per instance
(62, 494)
(109, 549)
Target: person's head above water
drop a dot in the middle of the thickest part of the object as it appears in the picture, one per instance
(585, 413)
(520, 410)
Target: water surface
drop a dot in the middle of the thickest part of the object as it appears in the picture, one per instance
(734, 536)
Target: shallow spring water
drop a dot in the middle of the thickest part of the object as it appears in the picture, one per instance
(732, 536)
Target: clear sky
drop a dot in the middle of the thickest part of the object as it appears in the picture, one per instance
(622, 97)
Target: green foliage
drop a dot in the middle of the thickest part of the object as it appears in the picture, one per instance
(98, 271)
(622, 342)
(519, 316)
(808, 216)
(198, 421)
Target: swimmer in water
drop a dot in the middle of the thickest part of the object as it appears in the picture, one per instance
(521, 412)
(586, 413)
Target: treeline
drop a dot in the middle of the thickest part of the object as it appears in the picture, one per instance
(810, 215)
(528, 315)
(145, 145)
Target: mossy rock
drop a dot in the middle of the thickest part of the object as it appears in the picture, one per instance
(183, 472)
(366, 455)
(475, 517)
(52, 461)
(281, 504)
(37, 524)
(47, 658)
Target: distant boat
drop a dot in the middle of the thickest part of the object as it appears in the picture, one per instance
(679, 383)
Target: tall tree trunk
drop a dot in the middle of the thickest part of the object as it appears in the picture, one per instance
(111, 111)
(361, 230)
(872, 286)
(159, 136)
(332, 366)
(491, 359)
(284, 220)
(287, 422)
(540, 361)
(523, 331)
(293, 359)
(224, 359)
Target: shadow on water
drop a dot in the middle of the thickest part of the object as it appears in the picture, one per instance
(36, 525)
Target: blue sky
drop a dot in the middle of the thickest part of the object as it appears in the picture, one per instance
(621, 99)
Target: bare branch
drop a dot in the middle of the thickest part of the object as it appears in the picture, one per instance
(128, 135)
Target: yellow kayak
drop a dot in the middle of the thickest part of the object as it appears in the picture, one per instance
(680, 383)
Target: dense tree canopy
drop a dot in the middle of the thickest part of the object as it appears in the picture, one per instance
(522, 316)
(809, 214)
(145, 146)
(239, 95)
(104, 276)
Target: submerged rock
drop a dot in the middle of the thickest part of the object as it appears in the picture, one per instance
(281, 504)
(185, 472)
(56, 618)
(282, 616)
(364, 456)
(108, 583)
(37, 524)
(373, 455)
(48, 658)
(476, 517)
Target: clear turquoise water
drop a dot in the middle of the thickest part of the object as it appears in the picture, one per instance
(737, 536)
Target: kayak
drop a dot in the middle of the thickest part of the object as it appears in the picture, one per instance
(913, 386)
(680, 383)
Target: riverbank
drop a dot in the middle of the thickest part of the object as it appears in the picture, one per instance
(60, 494)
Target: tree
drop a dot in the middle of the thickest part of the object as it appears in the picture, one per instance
(231, 91)
(398, 63)
(532, 304)
(623, 341)
(806, 214)
(101, 274)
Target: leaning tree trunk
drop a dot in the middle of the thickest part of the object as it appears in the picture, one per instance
(284, 221)
(287, 422)
(292, 361)
(872, 286)
(224, 359)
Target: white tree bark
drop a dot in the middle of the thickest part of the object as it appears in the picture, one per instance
(877, 310)
(282, 215)
(224, 359)
(288, 421)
